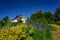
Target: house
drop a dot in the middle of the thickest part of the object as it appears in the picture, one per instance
(19, 17)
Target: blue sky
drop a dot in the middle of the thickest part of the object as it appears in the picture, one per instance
(12, 8)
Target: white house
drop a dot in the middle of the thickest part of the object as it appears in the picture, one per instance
(24, 20)
(14, 20)
(19, 17)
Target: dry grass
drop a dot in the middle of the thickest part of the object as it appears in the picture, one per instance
(56, 32)
(56, 35)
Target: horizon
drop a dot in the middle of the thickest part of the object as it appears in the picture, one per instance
(12, 8)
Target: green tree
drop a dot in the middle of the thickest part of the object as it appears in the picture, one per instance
(5, 21)
(33, 16)
(49, 17)
(0, 25)
(36, 16)
(57, 15)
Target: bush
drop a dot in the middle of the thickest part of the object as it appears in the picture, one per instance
(55, 26)
(20, 21)
(16, 33)
(13, 24)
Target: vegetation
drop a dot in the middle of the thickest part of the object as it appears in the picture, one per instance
(57, 15)
(51, 18)
(24, 32)
(16, 33)
(5, 22)
(55, 26)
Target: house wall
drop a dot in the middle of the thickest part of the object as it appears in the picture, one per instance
(14, 20)
(24, 20)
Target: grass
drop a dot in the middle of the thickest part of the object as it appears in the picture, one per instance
(42, 34)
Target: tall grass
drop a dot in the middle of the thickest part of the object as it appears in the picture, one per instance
(42, 34)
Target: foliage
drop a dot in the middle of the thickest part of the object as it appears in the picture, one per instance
(55, 26)
(57, 15)
(24, 32)
(13, 24)
(43, 20)
(28, 19)
(49, 17)
(0, 25)
(5, 19)
(19, 21)
(36, 16)
(42, 34)
(20, 32)
(5, 22)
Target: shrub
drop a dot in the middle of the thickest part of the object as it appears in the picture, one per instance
(55, 26)
(20, 21)
(16, 33)
(13, 24)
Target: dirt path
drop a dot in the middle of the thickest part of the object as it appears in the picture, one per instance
(56, 35)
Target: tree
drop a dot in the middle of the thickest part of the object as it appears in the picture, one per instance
(5, 21)
(49, 16)
(33, 16)
(0, 25)
(57, 15)
(36, 16)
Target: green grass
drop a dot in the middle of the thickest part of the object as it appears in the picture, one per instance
(42, 34)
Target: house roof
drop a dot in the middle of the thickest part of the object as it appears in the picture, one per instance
(18, 17)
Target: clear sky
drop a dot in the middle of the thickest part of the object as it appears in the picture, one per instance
(12, 8)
